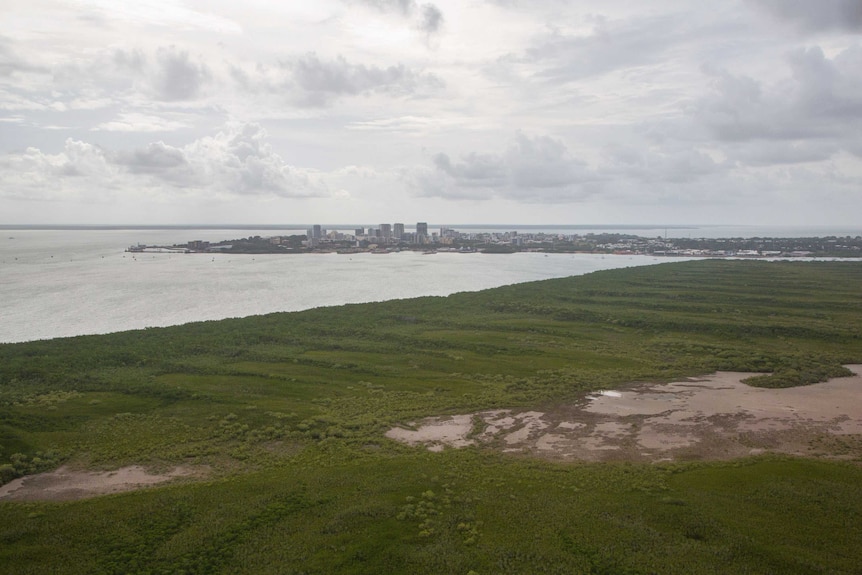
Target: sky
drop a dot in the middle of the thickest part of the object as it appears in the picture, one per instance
(669, 112)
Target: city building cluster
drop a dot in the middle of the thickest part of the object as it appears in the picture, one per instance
(387, 238)
(385, 234)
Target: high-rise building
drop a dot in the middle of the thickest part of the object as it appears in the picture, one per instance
(359, 232)
(386, 232)
(399, 232)
(316, 231)
(422, 233)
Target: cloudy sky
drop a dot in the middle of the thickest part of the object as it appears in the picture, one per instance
(447, 111)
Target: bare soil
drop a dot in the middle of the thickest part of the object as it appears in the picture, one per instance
(707, 418)
(65, 484)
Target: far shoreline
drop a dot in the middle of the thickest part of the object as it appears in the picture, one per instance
(450, 240)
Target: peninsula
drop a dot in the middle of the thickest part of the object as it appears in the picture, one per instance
(449, 240)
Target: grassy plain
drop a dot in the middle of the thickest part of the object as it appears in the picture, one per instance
(287, 413)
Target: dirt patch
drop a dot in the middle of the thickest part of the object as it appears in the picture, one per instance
(65, 484)
(434, 434)
(714, 417)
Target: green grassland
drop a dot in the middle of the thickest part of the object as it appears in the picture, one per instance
(287, 412)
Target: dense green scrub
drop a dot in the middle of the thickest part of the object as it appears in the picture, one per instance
(288, 412)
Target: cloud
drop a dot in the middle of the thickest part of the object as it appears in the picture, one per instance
(237, 161)
(542, 169)
(821, 98)
(34, 175)
(156, 13)
(403, 7)
(668, 165)
(166, 74)
(414, 125)
(609, 45)
(177, 77)
(132, 59)
(317, 82)
(822, 15)
(157, 157)
(138, 122)
(428, 17)
(431, 19)
(11, 62)
(140, 82)
(474, 170)
(531, 169)
(783, 152)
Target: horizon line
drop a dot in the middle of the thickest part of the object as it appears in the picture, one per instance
(355, 225)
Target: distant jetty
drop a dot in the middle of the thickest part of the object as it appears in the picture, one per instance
(141, 248)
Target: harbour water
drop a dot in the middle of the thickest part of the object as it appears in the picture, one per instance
(75, 281)
(57, 283)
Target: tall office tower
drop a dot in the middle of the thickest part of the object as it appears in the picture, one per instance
(422, 233)
(399, 231)
(386, 232)
(359, 232)
(316, 231)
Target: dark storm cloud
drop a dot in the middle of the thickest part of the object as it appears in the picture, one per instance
(820, 15)
(316, 82)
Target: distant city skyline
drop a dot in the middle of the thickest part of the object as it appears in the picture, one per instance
(746, 112)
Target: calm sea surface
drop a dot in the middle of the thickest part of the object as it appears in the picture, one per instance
(56, 283)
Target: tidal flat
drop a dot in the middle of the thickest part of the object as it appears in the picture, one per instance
(283, 420)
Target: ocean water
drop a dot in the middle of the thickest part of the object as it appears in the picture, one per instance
(57, 283)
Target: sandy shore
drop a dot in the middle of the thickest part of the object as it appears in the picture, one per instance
(713, 417)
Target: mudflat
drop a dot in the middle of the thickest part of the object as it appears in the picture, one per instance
(706, 418)
(65, 484)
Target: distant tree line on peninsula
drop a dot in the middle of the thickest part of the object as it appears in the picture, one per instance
(511, 242)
